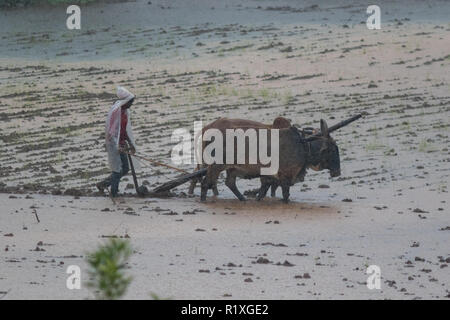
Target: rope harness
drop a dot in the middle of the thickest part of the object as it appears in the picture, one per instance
(155, 162)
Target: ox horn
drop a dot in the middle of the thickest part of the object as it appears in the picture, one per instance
(324, 128)
(334, 127)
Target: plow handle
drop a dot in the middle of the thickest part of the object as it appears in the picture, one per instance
(133, 173)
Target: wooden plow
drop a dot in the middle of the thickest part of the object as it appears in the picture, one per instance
(179, 181)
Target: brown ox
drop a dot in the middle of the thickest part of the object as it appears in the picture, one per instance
(295, 155)
(224, 123)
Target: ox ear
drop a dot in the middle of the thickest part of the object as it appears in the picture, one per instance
(324, 128)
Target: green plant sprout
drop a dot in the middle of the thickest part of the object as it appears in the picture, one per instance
(107, 265)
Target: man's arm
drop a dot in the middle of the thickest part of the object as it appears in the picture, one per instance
(130, 143)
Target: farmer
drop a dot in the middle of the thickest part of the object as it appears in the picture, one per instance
(119, 140)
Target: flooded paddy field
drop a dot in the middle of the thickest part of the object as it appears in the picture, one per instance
(247, 59)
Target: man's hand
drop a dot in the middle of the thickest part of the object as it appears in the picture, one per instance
(127, 148)
(132, 149)
(123, 148)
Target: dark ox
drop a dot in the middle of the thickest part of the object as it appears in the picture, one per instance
(323, 154)
(296, 154)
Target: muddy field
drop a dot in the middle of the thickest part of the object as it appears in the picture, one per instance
(248, 59)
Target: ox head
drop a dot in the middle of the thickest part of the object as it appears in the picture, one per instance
(325, 152)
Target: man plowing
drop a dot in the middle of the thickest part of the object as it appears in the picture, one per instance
(119, 140)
